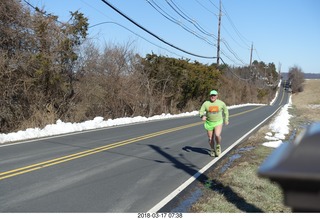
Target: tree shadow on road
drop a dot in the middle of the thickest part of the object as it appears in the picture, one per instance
(214, 185)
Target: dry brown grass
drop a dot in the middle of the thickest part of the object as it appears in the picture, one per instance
(307, 103)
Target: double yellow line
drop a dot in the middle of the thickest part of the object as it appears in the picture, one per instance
(48, 163)
(37, 166)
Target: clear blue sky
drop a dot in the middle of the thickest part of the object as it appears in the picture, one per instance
(285, 32)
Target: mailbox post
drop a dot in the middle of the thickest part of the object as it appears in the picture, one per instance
(296, 168)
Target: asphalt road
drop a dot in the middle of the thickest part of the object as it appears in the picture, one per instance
(133, 168)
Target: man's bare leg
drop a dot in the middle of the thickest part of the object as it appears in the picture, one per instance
(211, 143)
(217, 134)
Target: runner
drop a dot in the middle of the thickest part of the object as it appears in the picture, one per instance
(211, 112)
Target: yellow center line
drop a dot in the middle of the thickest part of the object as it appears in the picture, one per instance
(58, 160)
(37, 166)
(237, 114)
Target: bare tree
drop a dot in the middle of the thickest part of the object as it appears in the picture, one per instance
(107, 82)
(15, 45)
(296, 78)
(36, 62)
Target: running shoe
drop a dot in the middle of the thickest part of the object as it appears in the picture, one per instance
(218, 150)
(212, 153)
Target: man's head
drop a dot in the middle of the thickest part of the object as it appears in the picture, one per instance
(213, 95)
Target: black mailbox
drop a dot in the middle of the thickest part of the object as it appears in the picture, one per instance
(296, 168)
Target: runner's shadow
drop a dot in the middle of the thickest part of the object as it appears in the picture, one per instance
(196, 149)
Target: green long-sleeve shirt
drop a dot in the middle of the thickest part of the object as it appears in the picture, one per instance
(213, 111)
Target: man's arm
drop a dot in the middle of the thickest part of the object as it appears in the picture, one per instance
(202, 112)
(226, 114)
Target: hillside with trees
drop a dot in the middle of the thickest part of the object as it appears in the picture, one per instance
(49, 70)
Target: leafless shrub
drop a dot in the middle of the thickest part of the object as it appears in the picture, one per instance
(296, 78)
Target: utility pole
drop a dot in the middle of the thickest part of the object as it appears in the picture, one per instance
(251, 54)
(279, 67)
(218, 44)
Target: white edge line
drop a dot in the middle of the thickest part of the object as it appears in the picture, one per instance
(173, 194)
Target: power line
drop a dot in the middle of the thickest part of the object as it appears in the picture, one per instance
(173, 20)
(214, 5)
(170, 18)
(246, 48)
(228, 47)
(152, 34)
(243, 39)
(180, 12)
(255, 50)
(232, 52)
(237, 76)
(111, 22)
(42, 12)
(206, 8)
(224, 41)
